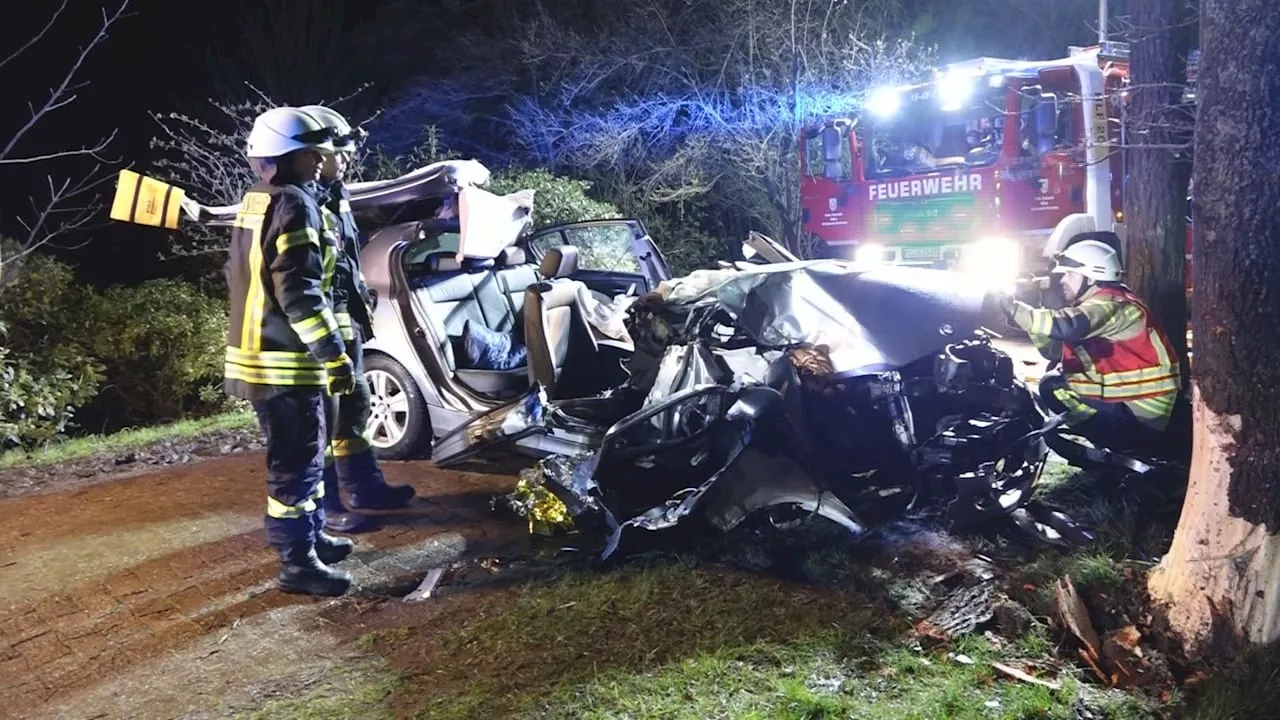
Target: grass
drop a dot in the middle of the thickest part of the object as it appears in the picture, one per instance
(1246, 689)
(359, 691)
(807, 681)
(81, 447)
(676, 639)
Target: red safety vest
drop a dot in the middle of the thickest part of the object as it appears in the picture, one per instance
(1122, 370)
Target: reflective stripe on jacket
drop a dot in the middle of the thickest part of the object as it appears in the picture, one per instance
(282, 330)
(351, 294)
(1110, 350)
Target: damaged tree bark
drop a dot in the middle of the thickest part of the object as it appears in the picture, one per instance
(1220, 579)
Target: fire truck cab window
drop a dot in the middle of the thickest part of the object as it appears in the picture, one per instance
(1044, 124)
(922, 136)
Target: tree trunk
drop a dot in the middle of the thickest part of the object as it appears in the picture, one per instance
(1220, 579)
(1156, 191)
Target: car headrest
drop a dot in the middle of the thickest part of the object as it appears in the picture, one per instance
(511, 257)
(442, 262)
(477, 263)
(559, 262)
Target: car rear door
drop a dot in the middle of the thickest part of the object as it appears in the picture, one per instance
(614, 256)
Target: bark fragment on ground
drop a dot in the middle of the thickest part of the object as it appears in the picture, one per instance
(1023, 676)
(962, 613)
(1116, 657)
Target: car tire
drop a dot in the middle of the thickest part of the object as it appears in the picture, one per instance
(399, 425)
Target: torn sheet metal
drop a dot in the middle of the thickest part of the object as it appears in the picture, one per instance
(684, 367)
(520, 418)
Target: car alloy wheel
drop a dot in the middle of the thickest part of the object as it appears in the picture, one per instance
(389, 409)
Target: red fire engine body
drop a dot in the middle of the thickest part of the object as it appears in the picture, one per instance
(976, 169)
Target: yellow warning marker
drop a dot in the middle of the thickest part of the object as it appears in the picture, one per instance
(147, 201)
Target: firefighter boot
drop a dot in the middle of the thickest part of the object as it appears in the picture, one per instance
(302, 572)
(331, 549)
(337, 518)
(368, 488)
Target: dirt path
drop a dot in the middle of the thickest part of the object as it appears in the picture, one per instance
(151, 595)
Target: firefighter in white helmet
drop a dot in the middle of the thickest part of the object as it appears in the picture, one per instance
(1118, 379)
(284, 350)
(350, 464)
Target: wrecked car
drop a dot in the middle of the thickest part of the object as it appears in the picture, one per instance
(784, 390)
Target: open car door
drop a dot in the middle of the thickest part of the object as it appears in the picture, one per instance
(615, 257)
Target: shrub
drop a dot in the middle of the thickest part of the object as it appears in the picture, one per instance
(43, 308)
(120, 357)
(685, 246)
(38, 398)
(161, 344)
(46, 373)
(557, 198)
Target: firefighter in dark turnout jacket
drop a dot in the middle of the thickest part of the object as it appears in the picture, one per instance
(350, 464)
(284, 351)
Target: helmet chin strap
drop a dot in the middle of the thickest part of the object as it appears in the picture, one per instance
(1085, 283)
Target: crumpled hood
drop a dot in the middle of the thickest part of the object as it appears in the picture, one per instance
(872, 319)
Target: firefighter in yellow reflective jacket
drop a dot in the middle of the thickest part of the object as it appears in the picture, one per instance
(284, 351)
(350, 464)
(1118, 380)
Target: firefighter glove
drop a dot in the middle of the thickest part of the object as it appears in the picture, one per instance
(341, 375)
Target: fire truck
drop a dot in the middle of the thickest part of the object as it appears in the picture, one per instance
(989, 168)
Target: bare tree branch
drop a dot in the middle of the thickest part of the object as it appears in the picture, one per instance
(71, 203)
(53, 19)
(93, 152)
(62, 95)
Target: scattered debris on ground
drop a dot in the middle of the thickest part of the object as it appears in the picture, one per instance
(1116, 657)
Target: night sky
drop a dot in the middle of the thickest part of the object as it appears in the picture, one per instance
(154, 60)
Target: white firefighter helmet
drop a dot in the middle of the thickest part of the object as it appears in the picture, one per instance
(1092, 258)
(1066, 229)
(280, 131)
(345, 137)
